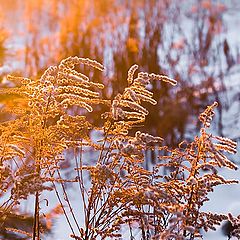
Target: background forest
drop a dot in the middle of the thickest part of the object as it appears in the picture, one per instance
(194, 42)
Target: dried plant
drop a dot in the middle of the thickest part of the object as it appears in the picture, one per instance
(122, 198)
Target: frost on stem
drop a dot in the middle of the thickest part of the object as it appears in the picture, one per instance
(127, 106)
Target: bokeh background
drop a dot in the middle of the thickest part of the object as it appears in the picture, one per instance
(195, 42)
